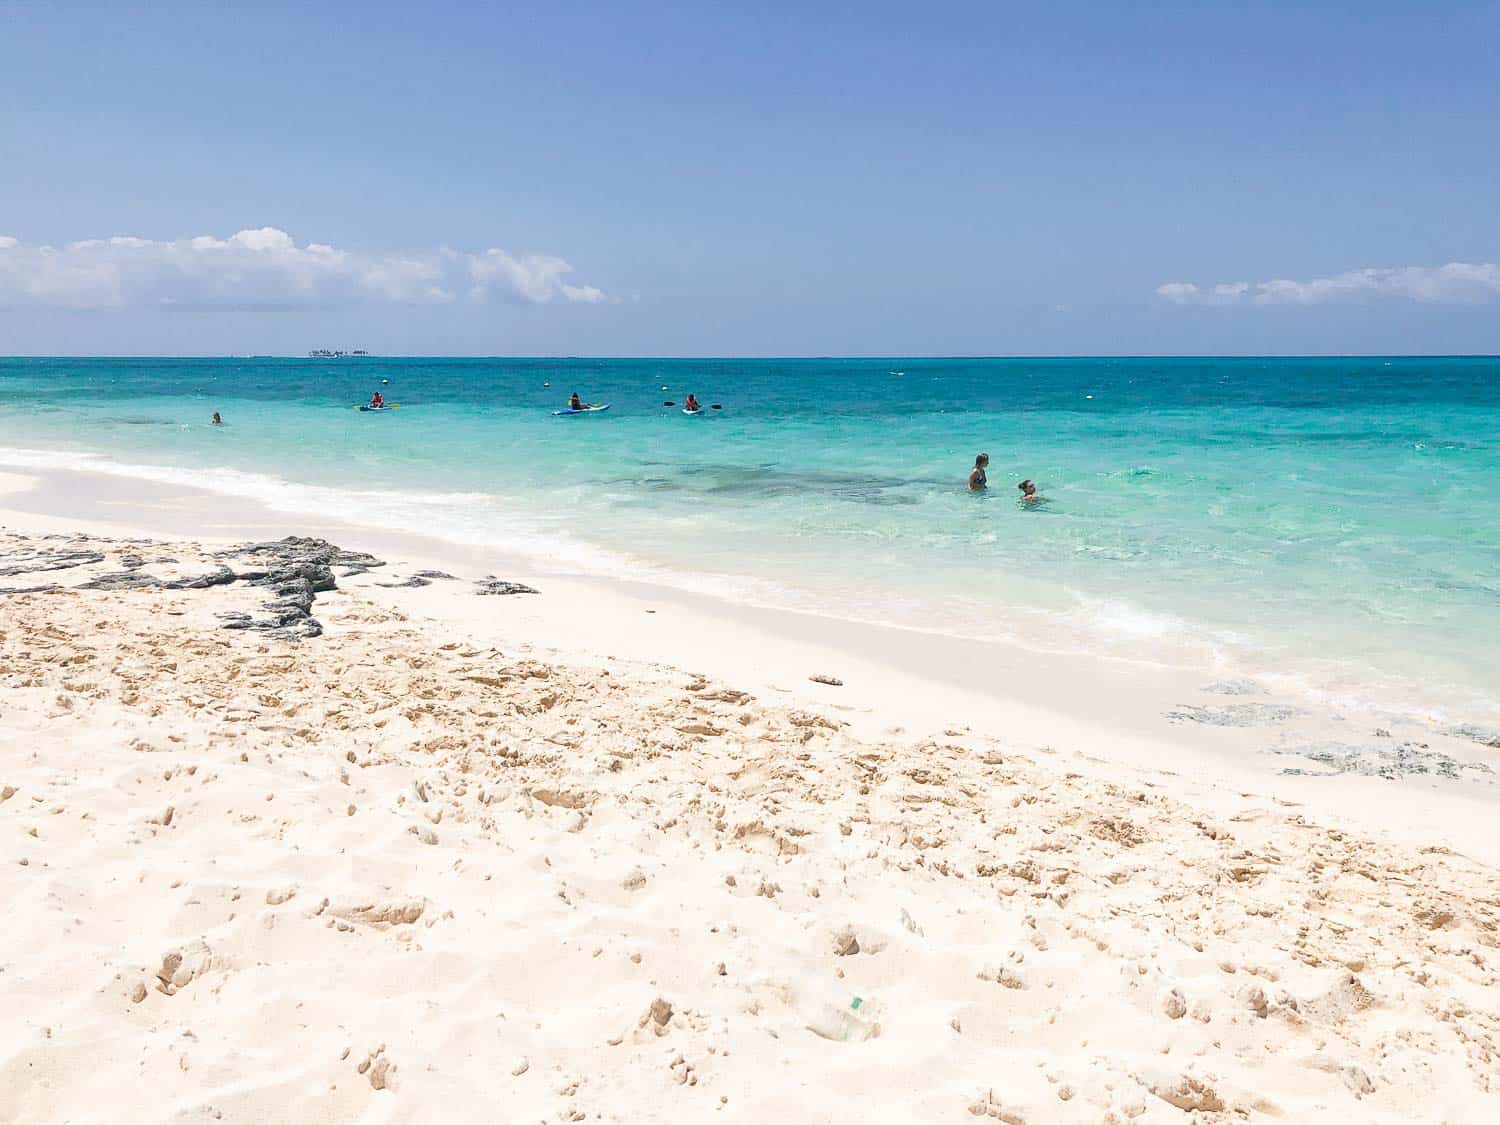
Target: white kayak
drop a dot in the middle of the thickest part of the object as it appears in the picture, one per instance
(592, 408)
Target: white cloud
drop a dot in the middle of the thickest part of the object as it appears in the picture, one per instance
(265, 268)
(1457, 282)
(1182, 292)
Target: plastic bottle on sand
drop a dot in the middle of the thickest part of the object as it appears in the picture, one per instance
(852, 1021)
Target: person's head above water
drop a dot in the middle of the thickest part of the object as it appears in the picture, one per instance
(978, 480)
(217, 419)
(1027, 488)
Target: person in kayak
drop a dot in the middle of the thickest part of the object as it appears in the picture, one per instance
(978, 481)
(692, 404)
(377, 400)
(575, 403)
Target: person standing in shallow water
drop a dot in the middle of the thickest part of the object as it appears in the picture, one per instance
(217, 420)
(978, 482)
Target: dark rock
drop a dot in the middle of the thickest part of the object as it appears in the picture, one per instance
(30, 561)
(414, 580)
(435, 574)
(1235, 687)
(1391, 763)
(295, 570)
(299, 549)
(220, 575)
(121, 580)
(1235, 714)
(492, 585)
(316, 577)
(1489, 736)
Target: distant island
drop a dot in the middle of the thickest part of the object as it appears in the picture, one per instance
(325, 353)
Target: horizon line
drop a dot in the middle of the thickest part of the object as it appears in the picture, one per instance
(705, 357)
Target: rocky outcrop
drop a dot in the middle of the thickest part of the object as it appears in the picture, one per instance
(220, 575)
(295, 570)
(298, 551)
(29, 561)
(489, 584)
(1234, 714)
(122, 580)
(292, 571)
(420, 578)
(1389, 762)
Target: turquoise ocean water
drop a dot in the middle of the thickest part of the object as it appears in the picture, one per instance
(1333, 519)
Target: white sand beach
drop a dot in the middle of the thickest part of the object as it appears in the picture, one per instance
(603, 852)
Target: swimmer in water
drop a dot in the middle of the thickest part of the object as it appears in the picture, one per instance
(978, 482)
(1028, 493)
(217, 420)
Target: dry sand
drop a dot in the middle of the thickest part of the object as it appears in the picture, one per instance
(418, 868)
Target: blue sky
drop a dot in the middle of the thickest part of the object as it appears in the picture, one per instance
(750, 179)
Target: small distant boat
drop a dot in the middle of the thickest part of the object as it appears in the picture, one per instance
(591, 408)
(378, 409)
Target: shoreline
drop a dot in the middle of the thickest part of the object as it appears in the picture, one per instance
(1113, 712)
(1104, 627)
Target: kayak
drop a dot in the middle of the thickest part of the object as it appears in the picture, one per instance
(690, 413)
(387, 406)
(591, 408)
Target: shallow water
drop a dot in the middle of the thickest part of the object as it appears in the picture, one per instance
(1336, 520)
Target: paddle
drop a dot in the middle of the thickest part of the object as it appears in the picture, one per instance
(712, 406)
